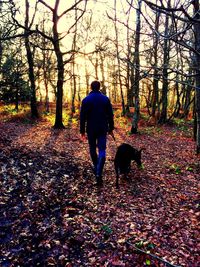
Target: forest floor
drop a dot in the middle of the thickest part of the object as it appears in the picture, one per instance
(52, 214)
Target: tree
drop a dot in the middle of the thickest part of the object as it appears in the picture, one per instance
(45, 64)
(56, 41)
(155, 94)
(129, 69)
(118, 59)
(181, 13)
(12, 32)
(14, 87)
(34, 110)
(135, 78)
(73, 63)
(123, 55)
(164, 99)
(1, 43)
(197, 70)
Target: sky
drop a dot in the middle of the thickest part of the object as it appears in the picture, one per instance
(100, 22)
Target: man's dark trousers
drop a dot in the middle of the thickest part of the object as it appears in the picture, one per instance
(99, 141)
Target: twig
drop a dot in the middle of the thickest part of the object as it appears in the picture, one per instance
(152, 255)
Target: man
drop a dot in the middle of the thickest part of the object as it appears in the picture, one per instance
(96, 118)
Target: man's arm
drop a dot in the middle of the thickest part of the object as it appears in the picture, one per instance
(110, 117)
(82, 119)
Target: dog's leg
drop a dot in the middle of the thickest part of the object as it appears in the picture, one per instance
(125, 176)
(117, 175)
(117, 180)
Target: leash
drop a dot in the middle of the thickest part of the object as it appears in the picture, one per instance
(112, 135)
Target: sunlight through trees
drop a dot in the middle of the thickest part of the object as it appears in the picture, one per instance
(144, 53)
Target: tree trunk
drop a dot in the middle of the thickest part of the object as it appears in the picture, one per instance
(79, 91)
(136, 65)
(45, 76)
(197, 72)
(136, 115)
(46, 89)
(74, 88)
(34, 110)
(60, 71)
(96, 65)
(118, 62)
(112, 68)
(129, 91)
(164, 99)
(103, 85)
(187, 99)
(1, 42)
(17, 99)
(87, 78)
(155, 76)
(178, 101)
(59, 96)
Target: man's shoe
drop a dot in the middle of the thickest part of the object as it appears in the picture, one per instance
(99, 180)
(100, 165)
(94, 169)
(94, 161)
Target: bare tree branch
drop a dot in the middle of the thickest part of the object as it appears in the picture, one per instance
(45, 4)
(33, 17)
(71, 8)
(169, 11)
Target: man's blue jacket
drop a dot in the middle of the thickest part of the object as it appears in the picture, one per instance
(96, 114)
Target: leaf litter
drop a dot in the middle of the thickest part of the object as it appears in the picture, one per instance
(52, 214)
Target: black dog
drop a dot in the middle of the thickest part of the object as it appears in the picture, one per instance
(125, 154)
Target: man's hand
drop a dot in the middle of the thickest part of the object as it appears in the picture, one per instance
(111, 134)
(83, 137)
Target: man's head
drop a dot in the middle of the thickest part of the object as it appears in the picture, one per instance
(95, 86)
